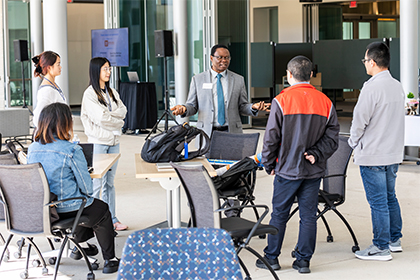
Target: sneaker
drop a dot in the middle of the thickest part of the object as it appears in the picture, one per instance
(302, 266)
(111, 266)
(92, 250)
(274, 263)
(374, 253)
(395, 247)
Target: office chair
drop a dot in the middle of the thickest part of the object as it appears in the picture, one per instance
(5, 159)
(27, 185)
(205, 209)
(183, 253)
(236, 146)
(333, 190)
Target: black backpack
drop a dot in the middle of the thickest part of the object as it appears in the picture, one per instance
(167, 146)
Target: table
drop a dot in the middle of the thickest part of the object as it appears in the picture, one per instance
(141, 103)
(170, 182)
(412, 135)
(102, 163)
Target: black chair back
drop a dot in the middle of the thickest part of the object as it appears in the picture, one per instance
(335, 178)
(232, 146)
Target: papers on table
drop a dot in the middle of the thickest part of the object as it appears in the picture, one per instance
(165, 166)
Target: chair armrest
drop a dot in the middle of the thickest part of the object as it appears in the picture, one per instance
(79, 212)
(254, 228)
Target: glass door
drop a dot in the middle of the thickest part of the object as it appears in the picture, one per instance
(17, 28)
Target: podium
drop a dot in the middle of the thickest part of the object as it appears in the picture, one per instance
(140, 100)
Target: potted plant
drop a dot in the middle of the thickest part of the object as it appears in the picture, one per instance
(412, 104)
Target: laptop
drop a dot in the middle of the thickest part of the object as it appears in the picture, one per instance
(88, 152)
(132, 76)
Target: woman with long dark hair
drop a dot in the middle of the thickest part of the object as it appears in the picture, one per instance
(66, 169)
(102, 116)
(47, 67)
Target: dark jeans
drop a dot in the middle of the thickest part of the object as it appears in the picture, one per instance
(284, 193)
(100, 224)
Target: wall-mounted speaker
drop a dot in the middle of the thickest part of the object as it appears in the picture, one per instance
(163, 43)
(21, 50)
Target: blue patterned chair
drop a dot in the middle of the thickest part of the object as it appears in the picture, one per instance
(184, 253)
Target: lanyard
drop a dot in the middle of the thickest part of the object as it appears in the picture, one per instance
(57, 88)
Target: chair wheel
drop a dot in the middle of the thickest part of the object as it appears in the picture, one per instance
(95, 266)
(52, 260)
(262, 236)
(17, 255)
(44, 271)
(355, 248)
(330, 238)
(6, 257)
(36, 263)
(91, 276)
(24, 274)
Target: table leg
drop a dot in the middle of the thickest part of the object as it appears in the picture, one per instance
(173, 197)
(169, 206)
(176, 208)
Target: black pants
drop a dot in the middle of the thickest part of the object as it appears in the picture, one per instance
(100, 224)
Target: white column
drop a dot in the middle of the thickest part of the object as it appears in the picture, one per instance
(36, 42)
(181, 52)
(55, 37)
(409, 32)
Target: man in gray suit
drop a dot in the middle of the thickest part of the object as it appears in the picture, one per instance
(219, 96)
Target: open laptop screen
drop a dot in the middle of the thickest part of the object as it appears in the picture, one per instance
(132, 76)
(88, 152)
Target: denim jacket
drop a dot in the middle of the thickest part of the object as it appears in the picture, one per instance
(66, 169)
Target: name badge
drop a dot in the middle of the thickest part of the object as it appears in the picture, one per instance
(207, 86)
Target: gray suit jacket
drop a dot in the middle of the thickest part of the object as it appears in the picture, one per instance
(201, 100)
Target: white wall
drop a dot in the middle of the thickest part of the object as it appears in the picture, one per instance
(81, 19)
(289, 17)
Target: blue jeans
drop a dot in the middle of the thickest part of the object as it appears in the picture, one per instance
(105, 185)
(379, 183)
(284, 193)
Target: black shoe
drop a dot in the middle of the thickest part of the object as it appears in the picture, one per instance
(302, 266)
(111, 266)
(92, 250)
(274, 263)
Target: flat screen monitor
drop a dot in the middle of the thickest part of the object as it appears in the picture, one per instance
(112, 44)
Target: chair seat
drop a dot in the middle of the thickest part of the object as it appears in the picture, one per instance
(67, 223)
(239, 227)
(333, 197)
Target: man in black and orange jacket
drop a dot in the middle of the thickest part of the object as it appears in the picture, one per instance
(301, 134)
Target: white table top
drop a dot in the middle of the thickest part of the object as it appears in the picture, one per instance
(412, 131)
(149, 170)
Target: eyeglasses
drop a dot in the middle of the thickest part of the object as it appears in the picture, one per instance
(107, 69)
(364, 60)
(220, 58)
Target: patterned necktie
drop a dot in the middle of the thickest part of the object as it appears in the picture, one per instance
(220, 101)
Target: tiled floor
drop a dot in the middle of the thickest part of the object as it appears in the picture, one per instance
(141, 203)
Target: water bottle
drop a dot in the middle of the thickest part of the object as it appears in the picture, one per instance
(185, 148)
(257, 158)
(76, 139)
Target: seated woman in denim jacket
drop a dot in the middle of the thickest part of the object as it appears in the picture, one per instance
(68, 176)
